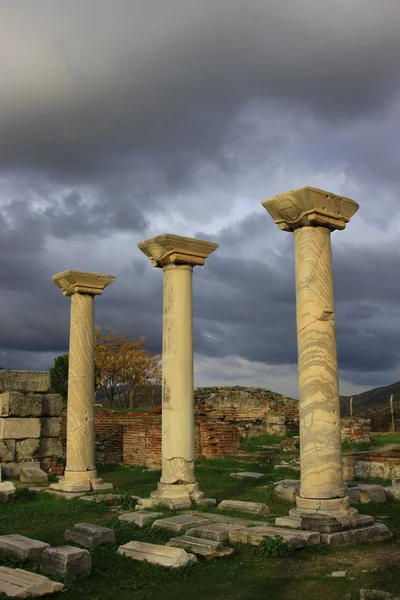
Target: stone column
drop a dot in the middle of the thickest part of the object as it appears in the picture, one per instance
(312, 214)
(177, 256)
(80, 472)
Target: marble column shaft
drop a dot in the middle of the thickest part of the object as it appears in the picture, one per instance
(177, 376)
(320, 443)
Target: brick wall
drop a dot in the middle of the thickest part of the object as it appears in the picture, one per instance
(355, 429)
(135, 438)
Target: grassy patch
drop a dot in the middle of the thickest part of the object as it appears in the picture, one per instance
(255, 443)
(383, 439)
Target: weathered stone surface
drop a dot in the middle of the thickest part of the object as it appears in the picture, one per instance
(158, 555)
(97, 485)
(139, 517)
(12, 470)
(255, 535)
(52, 405)
(375, 533)
(7, 491)
(27, 449)
(206, 502)
(338, 574)
(65, 560)
(145, 503)
(24, 381)
(29, 475)
(321, 523)
(17, 583)
(7, 451)
(17, 404)
(218, 518)
(50, 447)
(371, 493)
(247, 475)
(23, 546)
(214, 531)
(18, 429)
(376, 595)
(180, 522)
(206, 548)
(287, 489)
(107, 498)
(392, 492)
(90, 536)
(254, 508)
(51, 426)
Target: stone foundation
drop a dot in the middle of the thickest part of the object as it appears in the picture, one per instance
(30, 421)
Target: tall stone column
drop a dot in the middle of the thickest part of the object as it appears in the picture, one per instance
(80, 472)
(312, 214)
(177, 256)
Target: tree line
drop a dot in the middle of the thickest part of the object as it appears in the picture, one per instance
(125, 371)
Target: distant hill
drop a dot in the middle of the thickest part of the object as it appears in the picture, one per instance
(366, 400)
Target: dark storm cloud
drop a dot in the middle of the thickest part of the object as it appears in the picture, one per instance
(86, 80)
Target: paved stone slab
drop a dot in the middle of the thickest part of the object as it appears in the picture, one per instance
(7, 491)
(158, 555)
(254, 508)
(206, 548)
(139, 517)
(17, 583)
(374, 533)
(65, 560)
(180, 522)
(255, 535)
(218, 518)
(214, 531)
(247, 475)
(96, 499)
(22, 546)
(32, 475)
(89, 535)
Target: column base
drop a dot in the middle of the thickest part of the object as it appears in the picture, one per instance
(80, 481)
(323, 515)
(175, 496)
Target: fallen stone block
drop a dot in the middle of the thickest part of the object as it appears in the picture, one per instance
(158, 555)
(375, 595)
(292, 467)
(17, 583)
(106, 498)
(139, 517)
(206, 548)
(65, 560)
(145, 503)
(214, 531)
(218, 518)
(98, 484)
(253, 508)
(180, 522)
(338, 574)
(374, 533)
(371, 493)
(287, 489)
(206, 502)
(255, 535)
(57, 493)
(22, 546)
(392, 493)
(12, 469)
(7, 491)
(90, 536)
(247, 475)
(32, 475)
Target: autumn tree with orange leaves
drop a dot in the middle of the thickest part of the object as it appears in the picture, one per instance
(125, 370)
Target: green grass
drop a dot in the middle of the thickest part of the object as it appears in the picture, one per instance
(248, 575)
(383, 439)
(252, 444)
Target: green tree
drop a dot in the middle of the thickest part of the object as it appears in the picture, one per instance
(59, 375)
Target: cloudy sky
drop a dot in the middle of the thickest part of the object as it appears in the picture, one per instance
(124, 119)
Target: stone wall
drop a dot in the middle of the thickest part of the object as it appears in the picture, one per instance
(370, 465)
(30, 421)
(355, 429)
(255, 411)
(135, 438)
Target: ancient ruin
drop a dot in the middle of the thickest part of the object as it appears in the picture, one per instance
(311, 214)
(177, 256)
(80, 472)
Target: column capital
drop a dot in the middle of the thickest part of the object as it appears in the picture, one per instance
(81, 282)
(308, 206)
(169, 249)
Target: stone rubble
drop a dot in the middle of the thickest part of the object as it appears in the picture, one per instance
(287, 489)
(89, 535)
(254, 508)
(22, 546)
(208, 549)
(159, 555)
(65, 560)
(140, 517)
(17, 583)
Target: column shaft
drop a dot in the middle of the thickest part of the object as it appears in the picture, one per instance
(80, 415)
(320, 443)
(177, 377)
